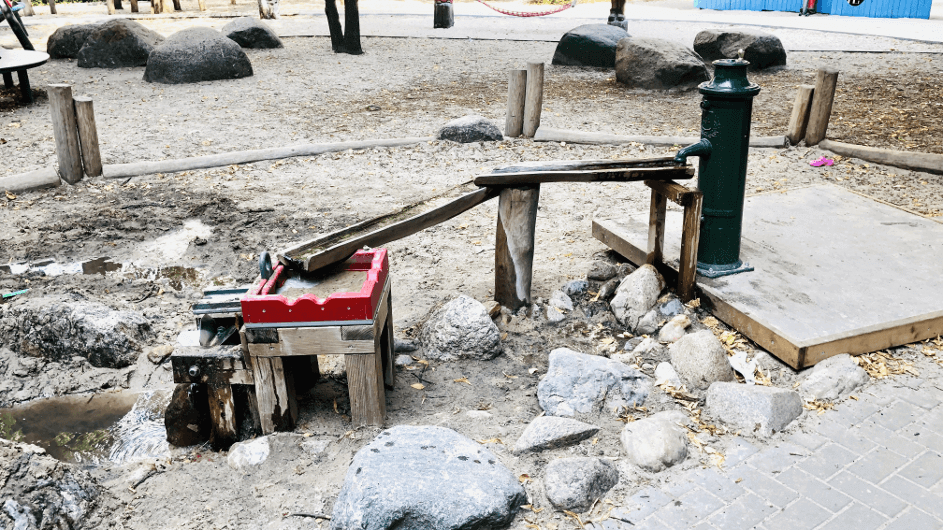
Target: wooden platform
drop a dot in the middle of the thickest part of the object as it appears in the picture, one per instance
(836, 272)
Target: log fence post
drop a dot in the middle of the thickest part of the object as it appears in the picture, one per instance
(514, 246)
(799, 120)
(534, 98)
(65, 131)
(824, 94)
(88, 136)
(517, 88)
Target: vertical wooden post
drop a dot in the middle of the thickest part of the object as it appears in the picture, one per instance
(799, 119)
(514, 246)
(365, 386)
(517, 88)
(110, 6)
(202, 4)
(177, 6)
(134, 6)
(166, 6)
(88, 136)
(824, 94)
(534, 98)
(222, 416)
(386, 346)
(690, 237)
(272, 394)
(28, 8)
(443, 16)
(656, 228)
(65, 131)
(52, 7)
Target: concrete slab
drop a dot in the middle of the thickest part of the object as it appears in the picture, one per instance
(836, 272)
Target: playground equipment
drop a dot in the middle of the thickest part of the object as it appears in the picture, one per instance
(19, 61)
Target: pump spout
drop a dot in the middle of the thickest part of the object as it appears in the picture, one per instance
(702, 148)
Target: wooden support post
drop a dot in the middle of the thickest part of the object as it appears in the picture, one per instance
(443, 16)
(65, 131)
(134, 6)
(28, 8)
(272, 394)
(52, 7)
(517, 88)
(824, 94)
(656, 228)
(177, 6)
(514, 246)
(386, 346)
(118, 4)
(202, 4)
(800, 114)
(690, 238)
(534, 98)
(88, 136)
(222, 416)
(110, 6)
(365, 385)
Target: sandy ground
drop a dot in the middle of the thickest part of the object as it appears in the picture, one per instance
(303, 93)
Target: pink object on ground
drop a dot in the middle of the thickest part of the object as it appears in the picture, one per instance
(822, 162)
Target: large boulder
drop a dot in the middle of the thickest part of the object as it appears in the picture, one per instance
(656, 64)
(761, 410)
(636, 295)
(656, 442)
(762, 50)
(59, 328)
(468, 129)
(576, 483)
(39, 492)
(552, 432)
(118, 43)
(461, 329)
(65, 42)
(196, 54)
(589, 45)
(700, 360)
(251, 33)
(422, 477)
(833, 379)
(577, 383)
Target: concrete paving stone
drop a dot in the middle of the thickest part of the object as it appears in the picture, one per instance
(916, 495)
(704, 526)
(915, 519)
(775, 459)
(738, 451)
(718, 485)
(926, 397)
(868, 494)
(800, 515)
(827, 461)
(876, 396)
(877, 465)
(651, 524)
(844, 435)
(764, 486)
(809, 440)
(897, 415)
(813, 488)
(905, 443)
(856, 517)
(689, 509)
(926, 470)
(641, 505)
(745, 512)
(852, 412)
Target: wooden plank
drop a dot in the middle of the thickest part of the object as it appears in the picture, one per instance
(533, 98)
(271, 391)
(514, 122)
(548, 134)
(673, 191)
(585, 165)
(222, 416)
(386, 347)
(799, 119)
(365, 385)
(928, 162)
(337, 247)
(823, 96)
(514, 246)
(690, 238)
(358, 332)
(88, 136)
(656, 229)
(65, 131)
(310, 341)
(598, 175)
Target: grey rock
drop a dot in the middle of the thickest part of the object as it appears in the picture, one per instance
(196, 54)
(403, 360)
(461, 329)
(390, 485)
(65, 42)
(589, 45)
(58, 328)
(674, 329)
(552, 432)
(39, 492)
(655, 443)
(636, 295)
(251, 33)
(670, 306)
(833, 379)
(575, 287)
(251, 453)
(577, 383)
(554, 315)
(576, 483)
(601, 271)
(700, 360)
(469, 129)
(761, 49)
(650, 323)
(117, 44)
(665, 374)
(561, 301)
(656, 64)
(159, 354)
(762, 410)
(608, 289)
(187, 418)
(404, 345)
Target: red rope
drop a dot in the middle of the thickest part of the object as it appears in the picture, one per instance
(529, 14)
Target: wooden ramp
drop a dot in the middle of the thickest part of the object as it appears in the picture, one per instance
(836, 272)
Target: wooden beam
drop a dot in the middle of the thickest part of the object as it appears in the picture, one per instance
(222, 416)
(595, 175)
(367, 393)
(826, 79)
(46, 177)
(547, 134)
(517, 88)
(533, 98)
(514, 246)
(673, 191)
(65, 131)
(386, 347)
(656, 229)
(690, 238)
(88, 136)
(800, 114)
(272, 394)
(927, 162)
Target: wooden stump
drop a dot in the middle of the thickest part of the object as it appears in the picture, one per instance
(222, 416)
(88, 136)
(517, 88)
(65, 131)
(444, 16)
(824, 94)
(534, 98)
(799, 119)
(514, 246)
(28, 9)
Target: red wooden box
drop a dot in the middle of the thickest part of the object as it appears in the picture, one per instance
(261, 307)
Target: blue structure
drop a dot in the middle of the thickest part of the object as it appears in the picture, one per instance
(867, 8)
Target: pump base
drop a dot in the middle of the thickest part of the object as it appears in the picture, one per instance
(717, 273)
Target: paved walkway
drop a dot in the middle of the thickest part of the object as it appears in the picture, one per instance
(875, 463)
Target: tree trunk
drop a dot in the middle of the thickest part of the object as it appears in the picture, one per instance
(334, 25)
(352, 28)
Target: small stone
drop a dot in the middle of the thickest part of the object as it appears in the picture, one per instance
(647, 367)
(576, 483)
(196, 54)
(700, 360)
(608, 289)
(674, 329)
(649, 347)
(403, 360)
(650, 322)
(493, 308)
(636, 295)
(244, 455)
(665, 374)
(658, 64)
(561, 301)
(478, 414)
(655, 443)
(461, 329)
(601, 271)
(671, 307)
(589, 45)
(159, 354)
(762, 410)
(551, 432)
(404, 345)
(575, 287)
(833, 379)
(468, 129)
(249, 32)
(555, 315)
(577, 383)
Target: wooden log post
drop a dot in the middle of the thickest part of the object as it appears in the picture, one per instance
(514, 246)
(28, 8)
(177, 6)
(88, 136)
(52, 7)
(110, 6)
(443, 16)
(223, 431)
(534, 98)
(202, 4)
(799, 119)
(824, 94)
(134, 6)
(517, 88)
(277, 406)
(366, 389)
(690, 238)
(65, 131)
(656, 228)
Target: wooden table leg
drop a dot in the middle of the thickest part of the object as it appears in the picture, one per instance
(690, 238)
(386, 347)
(514, 246)
(274, 397)
(656, 228)
(365, 386)
(8, 79)
(25, 89)
(222, 416)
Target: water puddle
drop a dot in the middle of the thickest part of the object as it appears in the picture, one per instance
(118, 427)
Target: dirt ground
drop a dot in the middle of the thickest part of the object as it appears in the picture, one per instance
(217, 221)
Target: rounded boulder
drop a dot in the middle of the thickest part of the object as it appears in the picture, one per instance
(197, 54)
(589, 45)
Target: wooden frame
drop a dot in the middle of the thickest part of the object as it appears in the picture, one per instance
(692, 201)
